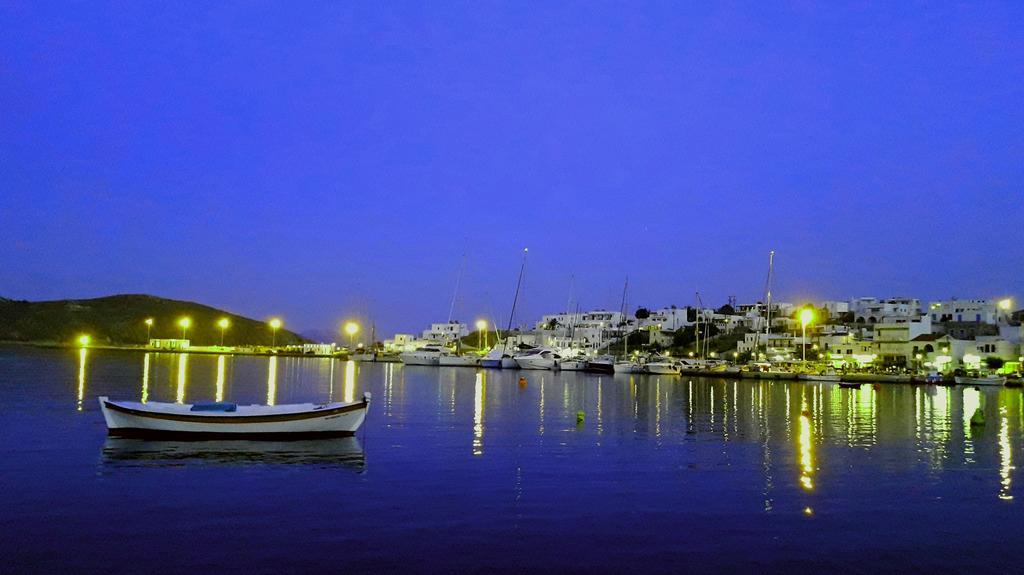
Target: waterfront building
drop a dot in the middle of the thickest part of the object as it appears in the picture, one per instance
(169, 343)
(402, 342)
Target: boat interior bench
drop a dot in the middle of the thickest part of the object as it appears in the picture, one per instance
(215, 406)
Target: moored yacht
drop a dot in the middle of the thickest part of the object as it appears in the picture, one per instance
(575, 363)
(539, 358)
(662, 366)
(627, 366)
(426, 355)
(455, 360)
(600, 364)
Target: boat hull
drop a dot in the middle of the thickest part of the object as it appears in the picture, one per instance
(539, 363)
(626, 368)
(994, 381)
(509, 363)
(599, 367)
(662, 369)
(833, 378)
(413, 358)
(458, 361)
(572, 365)
(128, 419)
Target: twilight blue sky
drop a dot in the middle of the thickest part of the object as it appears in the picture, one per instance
(323, 160)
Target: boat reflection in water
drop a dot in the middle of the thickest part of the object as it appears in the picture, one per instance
(334, 452)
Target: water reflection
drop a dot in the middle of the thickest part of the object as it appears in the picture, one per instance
(83, 354)
(272, 380)
(806, 465)
(220, 378)
(182, 377)
(145, 377)
(350, 381)
(479, 397)
(1005, 456)
(121, 452)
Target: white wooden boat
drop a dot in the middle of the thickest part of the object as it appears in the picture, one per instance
(228, 420)
(986, 380)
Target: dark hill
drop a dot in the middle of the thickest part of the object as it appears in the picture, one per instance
(120, 319)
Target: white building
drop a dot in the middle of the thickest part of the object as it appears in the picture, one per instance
(968, 310)
(874, 310)
(446, 332)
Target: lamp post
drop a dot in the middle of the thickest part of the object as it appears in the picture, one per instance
(481, 326)
(275, 324)
(149, 328)
(806, 316)
(83, 340)
(351, 328)
(223, 324)
(184, 323)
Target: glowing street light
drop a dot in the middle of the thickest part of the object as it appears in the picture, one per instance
(275, 324)
(184, 322)
(83, 340)
(481, 326)
(351, 328)
(806, 317)
(149, 328)
(223, 324)
(1005, 304)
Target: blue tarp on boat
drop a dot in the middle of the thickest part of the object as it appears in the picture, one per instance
(215, 406)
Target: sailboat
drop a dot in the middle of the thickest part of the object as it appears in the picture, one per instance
(626, 365)
(500, 356)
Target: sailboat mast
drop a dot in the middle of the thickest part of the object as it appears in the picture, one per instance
(768, 300)
(625, 322)
(455, 294)
(515, 300)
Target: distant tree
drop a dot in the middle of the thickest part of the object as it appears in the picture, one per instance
(552, 324)
(642, 313)
(691, 314)
(726, 310)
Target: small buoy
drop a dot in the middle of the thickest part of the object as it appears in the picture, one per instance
(580, 416)
(522, 381)
(978, 418)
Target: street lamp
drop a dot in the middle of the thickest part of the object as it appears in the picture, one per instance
(481, 326)
(184, 323)
(351, 328)
(83, 340)
(275, 324)
(223, 324)
(806, 317)
(149, 328)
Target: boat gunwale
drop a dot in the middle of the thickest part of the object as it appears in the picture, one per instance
(237, 419)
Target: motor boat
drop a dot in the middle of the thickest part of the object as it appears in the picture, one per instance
(454, 360)
(229, 420)
(627, 366)
(600, 364)
(662, 366)
(363, 356)
(539, 358)
(426, 355)
(578, 363)
(996, 380)
(824, 375)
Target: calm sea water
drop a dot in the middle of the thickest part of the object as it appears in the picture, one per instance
(463, 470)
